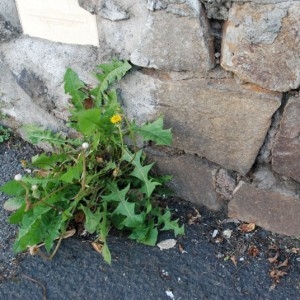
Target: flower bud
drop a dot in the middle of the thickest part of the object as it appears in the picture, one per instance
(116, 172)
(34, 187)
(85, 146)
(18, 177)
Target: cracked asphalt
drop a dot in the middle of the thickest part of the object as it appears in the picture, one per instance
(200, 266)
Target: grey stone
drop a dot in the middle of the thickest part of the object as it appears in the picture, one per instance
(156, 4)
(225, 183)
(9, 12)
(35, 88)
(7, 31)
(273, 211)
(17, 105)
(49, 61)
(217, 9)
(263, 177)
(176, 43)
(261, 44)
(124, 36)
(193, 178)
(215, 119)
(286, 150)
(265, 153)
(89, 5)
(111, 10)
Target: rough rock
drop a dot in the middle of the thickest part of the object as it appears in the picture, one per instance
(265, 153)
(193, 178)
(215, 119)
(7, 31)
(217, 9)
(225, 183)
(10, 26)
(45, 63)
(111, 10)
(273, 211)
(177, 39)
(261, 44)
(156, 4)
(9, 12)
(286, 151)
(18, 106)
(122, 36)
(264, 177)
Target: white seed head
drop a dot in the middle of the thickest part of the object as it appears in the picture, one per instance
(18, 177)
(34, 187)
(85, 145)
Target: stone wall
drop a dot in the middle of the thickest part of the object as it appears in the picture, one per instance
(225, 74)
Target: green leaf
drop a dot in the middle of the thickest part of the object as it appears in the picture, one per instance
(145, 234)
(29, 235)
(132, 219)
(72, 173)
(141, 172)
(106, 253)
(92, 220)
(17, 217)
(171, 225)
(47, 162)
(73, 86)
(37, 134)
(89, 121)
(54, 229)
(12, 188)
(154, 132)
(111, 72)
(116, 194)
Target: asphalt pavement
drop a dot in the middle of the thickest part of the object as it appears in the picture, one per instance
(198, 267)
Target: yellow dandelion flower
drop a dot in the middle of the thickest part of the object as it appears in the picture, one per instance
(116, 119)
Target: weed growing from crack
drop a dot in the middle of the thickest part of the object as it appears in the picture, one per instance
(94, 174)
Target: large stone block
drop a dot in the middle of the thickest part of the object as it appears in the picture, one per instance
(120, 23)
(34, 72)
(193, 178)
(261, 44)
(286, 150)
(19, 107)
(273, 211)
(216, 118)
(176, 38)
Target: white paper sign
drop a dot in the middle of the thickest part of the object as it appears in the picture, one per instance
(58, 20)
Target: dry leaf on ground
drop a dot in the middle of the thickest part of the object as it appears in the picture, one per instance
(233, 259)
(166, 244)
(273, 260)
(194, 219)
(181, 249)
(247, 227)
(277, 274)
(253, 251)
(97, 246)
(283, 264)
